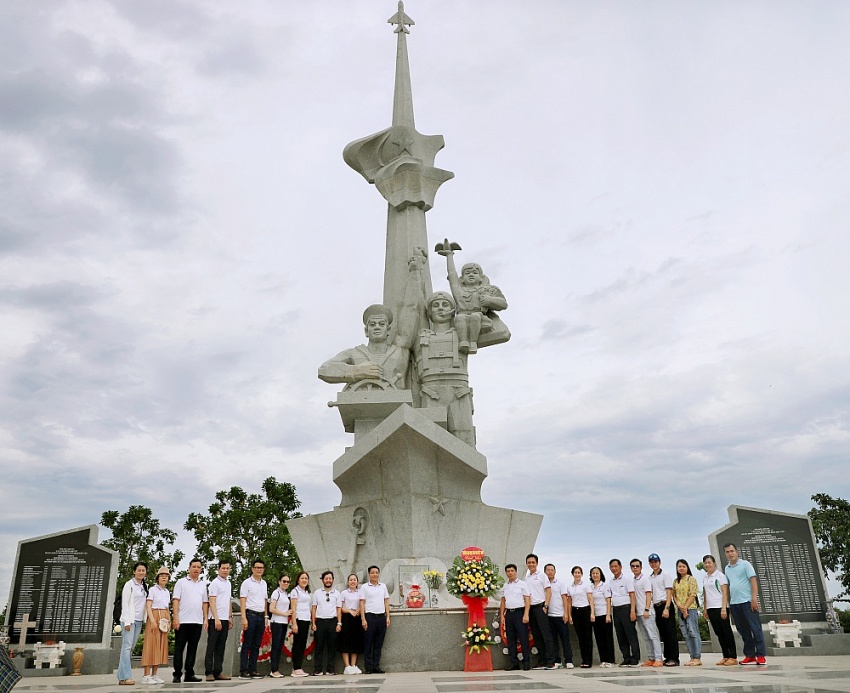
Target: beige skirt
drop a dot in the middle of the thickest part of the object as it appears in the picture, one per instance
(155, 646)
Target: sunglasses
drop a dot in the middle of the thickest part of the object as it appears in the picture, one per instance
(327, 597)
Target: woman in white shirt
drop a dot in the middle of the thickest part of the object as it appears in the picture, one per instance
(299, 604)
(155, 646)
(350, 641)
(279, 608)
(581, 613)
(715, 610)
(133, 599)
(603, 627)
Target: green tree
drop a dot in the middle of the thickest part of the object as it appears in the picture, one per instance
(138, 536)
(831, 523)
(242, 526)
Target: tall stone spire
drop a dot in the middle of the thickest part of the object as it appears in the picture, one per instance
(399, 161)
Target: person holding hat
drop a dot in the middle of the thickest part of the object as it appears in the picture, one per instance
(155, 646)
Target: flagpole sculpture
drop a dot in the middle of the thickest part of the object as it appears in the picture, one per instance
(411, 482)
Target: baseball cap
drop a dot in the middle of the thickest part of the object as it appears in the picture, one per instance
(654, 557)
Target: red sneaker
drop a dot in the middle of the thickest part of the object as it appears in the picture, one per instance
(761, 660)
(749, 660)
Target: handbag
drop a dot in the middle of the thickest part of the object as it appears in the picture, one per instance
(164, 624)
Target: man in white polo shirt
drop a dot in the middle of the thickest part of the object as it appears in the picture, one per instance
(538, 585)
(744, 603)
(253, 600)
(514, 609)
(189, 607)
(643, 612)
(665, 616)
(326, 614)
(221, 615)
(625, 616)
(375, 618)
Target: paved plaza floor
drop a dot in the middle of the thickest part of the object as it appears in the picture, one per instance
(805, 674)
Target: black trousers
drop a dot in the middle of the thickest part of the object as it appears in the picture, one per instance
(186, 637)
(278, 636)
(542, 635)
(604, 634)
(667, 632)
(516, 630)
(373, 640)
(216, 642)
(299, 644)
(627, 637)
(722, 628)
(581, 622)
(325, 639)
(561, 632)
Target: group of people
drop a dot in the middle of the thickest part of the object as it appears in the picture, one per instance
(351, 622)
(650, 601)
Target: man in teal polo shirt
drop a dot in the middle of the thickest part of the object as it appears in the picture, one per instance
(743, 601)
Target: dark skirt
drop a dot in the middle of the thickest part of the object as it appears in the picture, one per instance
(350, 638)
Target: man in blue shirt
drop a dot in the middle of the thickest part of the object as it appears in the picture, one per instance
(743, 601)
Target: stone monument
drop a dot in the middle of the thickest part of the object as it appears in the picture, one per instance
(783, 551)
(62, 587)
(411, 482)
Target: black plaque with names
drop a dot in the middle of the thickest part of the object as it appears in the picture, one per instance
(62, 583)
(783, 552)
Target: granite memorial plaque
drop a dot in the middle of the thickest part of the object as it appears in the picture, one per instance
(64, 583)
(783, 551)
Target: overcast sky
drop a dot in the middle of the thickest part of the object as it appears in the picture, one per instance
(659, 188)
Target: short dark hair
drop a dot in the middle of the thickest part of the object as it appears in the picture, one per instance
(532, 555)
(732, 544)
(196, 560)
(326, 573)
(369, 569)
(223, 561)
(615, 560)
(636, 560)
(258, 560)
(510, 565)
(601, 573)
(548, 564)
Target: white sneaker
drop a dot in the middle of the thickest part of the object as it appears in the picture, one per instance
(148, 680)
(156, 679)
(348, 671)
(569, 665)
(357, 669)
(299, 673)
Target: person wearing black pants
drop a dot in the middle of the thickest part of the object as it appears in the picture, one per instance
(558, 617)
(375, 619)
(665, 616)
(190, 609)
(625, 614)
(581, 602)
(219, 622)
(326, 615)
(538, 586)
(253, 605)
(514, 610)
(716, 610)
(603, 628)
(300, 606)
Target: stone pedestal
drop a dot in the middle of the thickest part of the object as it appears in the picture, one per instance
(411, 493)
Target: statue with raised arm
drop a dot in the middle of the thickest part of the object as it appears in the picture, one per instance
(477, 301)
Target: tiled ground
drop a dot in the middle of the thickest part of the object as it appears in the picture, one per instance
(797, 675)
